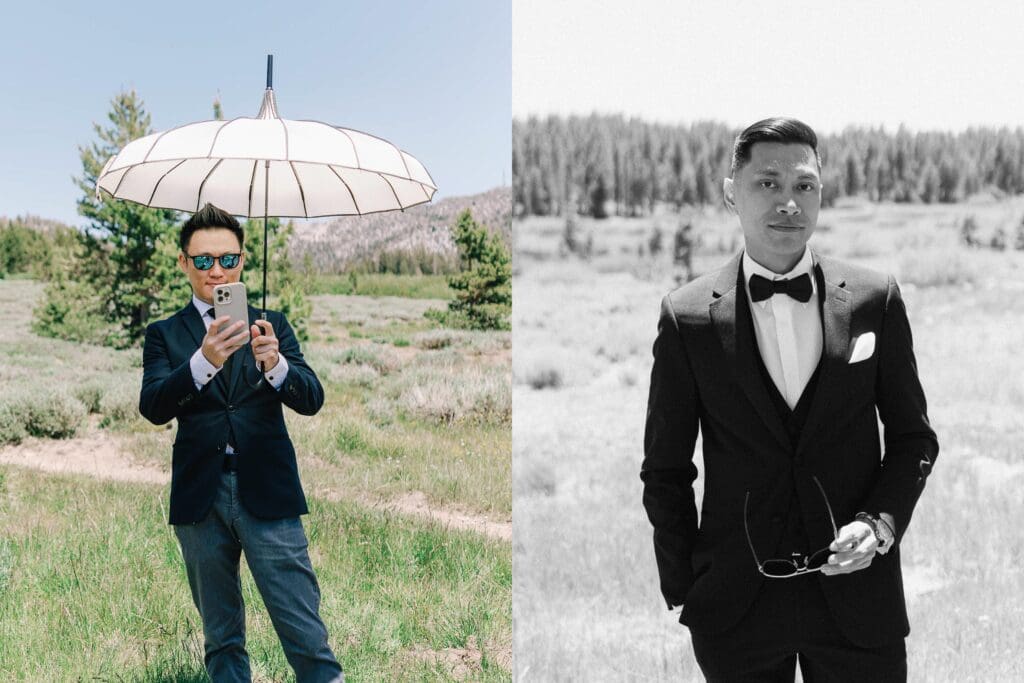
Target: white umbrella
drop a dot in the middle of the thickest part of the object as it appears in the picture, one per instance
(267, 166)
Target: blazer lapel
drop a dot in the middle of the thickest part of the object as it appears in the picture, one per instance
(197, 329)
(835, 318)
(243, 363)
(730, 313)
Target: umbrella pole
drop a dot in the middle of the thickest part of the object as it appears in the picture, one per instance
(266, 189)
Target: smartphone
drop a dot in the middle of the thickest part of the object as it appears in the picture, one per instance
(230, 300)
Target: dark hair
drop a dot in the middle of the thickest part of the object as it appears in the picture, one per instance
(775, 129)
(210, 217)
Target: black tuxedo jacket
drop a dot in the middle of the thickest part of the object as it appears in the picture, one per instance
(268, 478)
(705, 377)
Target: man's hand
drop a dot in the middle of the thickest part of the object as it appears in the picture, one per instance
(219, 344)
(265, 345)
(853, 549)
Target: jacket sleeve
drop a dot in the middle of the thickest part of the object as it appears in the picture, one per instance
(301, 390)
(166, 391)
(668, 471)
(910, 443)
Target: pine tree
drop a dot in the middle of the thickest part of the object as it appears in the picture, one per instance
(119, 277)
(483, 290)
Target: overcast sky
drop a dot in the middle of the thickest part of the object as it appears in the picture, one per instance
(432, 78)
(930, 65)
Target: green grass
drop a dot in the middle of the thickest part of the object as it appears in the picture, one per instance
(383, 284)
(91, 581)
(92, 586)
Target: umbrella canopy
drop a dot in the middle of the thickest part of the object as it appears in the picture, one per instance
(267, 166)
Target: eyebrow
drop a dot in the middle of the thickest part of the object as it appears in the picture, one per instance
(772, 173)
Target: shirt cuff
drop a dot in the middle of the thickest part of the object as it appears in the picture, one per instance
(202, 370)
(275, 376)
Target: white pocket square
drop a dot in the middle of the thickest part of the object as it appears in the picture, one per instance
(863, 347)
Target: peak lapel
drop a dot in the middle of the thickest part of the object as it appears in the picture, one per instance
(835, 318)
(730, 313)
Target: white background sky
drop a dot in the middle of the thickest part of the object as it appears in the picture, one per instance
(930, 65)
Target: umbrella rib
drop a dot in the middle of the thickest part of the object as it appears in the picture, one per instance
(156, 186)
(252, 183)
(302, 193)
(285, 128)
(209, 173)
(213, 143)
(392, 191)
(350, 194)
(126, 172)
(355, 152)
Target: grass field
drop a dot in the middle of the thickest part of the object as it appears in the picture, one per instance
(91, 581)
(586, 601)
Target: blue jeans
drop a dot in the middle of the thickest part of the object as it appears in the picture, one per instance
(276, 552)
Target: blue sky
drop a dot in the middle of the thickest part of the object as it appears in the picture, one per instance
(942, 64)
(432, 78)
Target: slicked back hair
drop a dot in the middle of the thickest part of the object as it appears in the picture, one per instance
(776, 129)
(210, 217)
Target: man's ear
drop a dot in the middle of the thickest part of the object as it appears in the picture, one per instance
(729, 194)
(181, 263)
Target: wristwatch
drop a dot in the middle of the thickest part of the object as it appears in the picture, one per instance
(883, 532)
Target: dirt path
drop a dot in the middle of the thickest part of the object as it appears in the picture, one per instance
(99, 455)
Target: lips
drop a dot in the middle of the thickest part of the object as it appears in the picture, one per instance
(785, 226)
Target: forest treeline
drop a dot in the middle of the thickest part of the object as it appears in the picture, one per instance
(608, 164)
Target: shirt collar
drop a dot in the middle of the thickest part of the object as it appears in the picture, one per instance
(804, 265)
(201, 306)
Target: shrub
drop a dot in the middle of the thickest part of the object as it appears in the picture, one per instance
(90, 394)
(51, 416)
(120, 406)
(12, 425)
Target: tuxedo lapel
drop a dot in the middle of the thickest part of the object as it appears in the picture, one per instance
(835, 317)
(730, 314)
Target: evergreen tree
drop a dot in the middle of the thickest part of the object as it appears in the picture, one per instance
(117, 274)
(483, 290)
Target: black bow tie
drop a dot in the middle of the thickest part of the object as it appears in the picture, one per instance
(799, 288)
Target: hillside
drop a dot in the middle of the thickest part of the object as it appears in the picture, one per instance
(334, 242)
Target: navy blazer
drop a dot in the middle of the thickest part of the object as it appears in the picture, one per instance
(268, 477)
(705, 377)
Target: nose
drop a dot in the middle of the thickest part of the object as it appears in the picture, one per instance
(790, 208)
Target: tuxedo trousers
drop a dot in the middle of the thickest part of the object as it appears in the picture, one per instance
(790, 623)
(276, 552)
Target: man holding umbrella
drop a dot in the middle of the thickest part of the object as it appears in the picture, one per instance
(235, 484)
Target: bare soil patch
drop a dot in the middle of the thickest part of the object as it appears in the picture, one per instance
(99, 454)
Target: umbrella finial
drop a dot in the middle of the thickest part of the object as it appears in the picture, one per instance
(268, 108)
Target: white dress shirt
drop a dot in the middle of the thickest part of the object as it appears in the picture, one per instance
(788, 331)
(203, 370)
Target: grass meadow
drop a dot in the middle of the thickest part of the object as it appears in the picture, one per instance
(586, 601)
(92, 586)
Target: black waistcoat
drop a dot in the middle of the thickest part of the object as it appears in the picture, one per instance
(794, 540)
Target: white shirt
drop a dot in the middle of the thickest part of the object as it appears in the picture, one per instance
(788, 331)
(203, 370)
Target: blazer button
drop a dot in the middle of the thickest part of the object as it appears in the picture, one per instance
(777, 519)
(231, 409)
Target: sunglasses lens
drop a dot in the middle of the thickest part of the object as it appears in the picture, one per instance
(819, 558)
(229, 260)
(779, 568)
(203, 262)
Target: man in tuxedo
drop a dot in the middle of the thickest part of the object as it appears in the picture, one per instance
(782, 359)
(234, 482)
